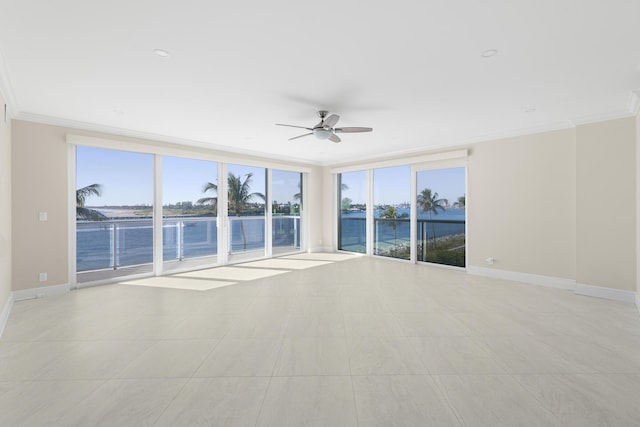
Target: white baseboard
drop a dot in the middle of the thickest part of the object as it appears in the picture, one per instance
(6, 311)
(532, 279)
(318, 249)
(45, 291)
(606, 293)
(559, 283)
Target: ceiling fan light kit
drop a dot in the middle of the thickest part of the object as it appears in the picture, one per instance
(325, 129)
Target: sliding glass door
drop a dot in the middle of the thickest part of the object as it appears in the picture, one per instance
(392, 203)
(286, 203)
(212, 213)
(426, 226)
(114, 213)
(441, 216)
(352, 211)
(189, 213)
(246, 210)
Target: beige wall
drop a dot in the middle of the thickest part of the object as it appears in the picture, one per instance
(39, 156)
(606, 204)
(40, 184)
(314, 205)
(5, 207)
(521, 204)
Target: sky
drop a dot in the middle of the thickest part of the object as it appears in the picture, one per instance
(127, 178)
(392, 185)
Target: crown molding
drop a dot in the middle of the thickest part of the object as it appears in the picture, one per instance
(148, 136)
(595, 118)
(6, 88)
(452, 144)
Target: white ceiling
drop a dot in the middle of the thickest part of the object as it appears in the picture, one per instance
(412, 70)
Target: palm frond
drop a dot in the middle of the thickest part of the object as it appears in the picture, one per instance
(84, 192)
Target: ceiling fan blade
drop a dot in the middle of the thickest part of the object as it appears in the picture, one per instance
(294, 126)
(300, 136)
(352, 130)
(331, 120)
(334, 138)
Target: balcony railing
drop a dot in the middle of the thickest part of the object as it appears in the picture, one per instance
(115, 244)
(438, 240)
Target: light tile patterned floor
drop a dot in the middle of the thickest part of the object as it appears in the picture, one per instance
(322, 340)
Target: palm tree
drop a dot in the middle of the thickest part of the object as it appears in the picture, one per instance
(345, 204)
(392, 214)
(429, 202)
(239, 192)
(213, 201)
(81, 197)
(239, 195)
(461, 203)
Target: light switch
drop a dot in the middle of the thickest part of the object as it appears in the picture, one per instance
(43, 216)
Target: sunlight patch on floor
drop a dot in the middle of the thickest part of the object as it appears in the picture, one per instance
(286, 264)
(322, 256)
(217, 277)
(174, 282)
(231, 273)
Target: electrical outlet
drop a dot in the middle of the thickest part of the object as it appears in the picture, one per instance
(43, 277)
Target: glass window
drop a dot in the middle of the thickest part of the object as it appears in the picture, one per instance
(286, 202)
(189, 212)
(246, 187)
(352, 205)
(392, 204)
(441, 204)
(114, 213)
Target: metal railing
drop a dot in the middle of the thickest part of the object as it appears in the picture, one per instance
(392, 236)
(114, 244)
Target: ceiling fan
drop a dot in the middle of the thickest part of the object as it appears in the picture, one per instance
(325, 129)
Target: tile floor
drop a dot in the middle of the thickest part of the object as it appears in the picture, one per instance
(321, 340)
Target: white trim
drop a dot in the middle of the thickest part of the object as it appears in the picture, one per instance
(638, 301)
(6, 311)
(369, 214)
(606, 293)
(268, 214)
(72, 244)
(585, 120)
(45, 291)
(532, 279)
(558, 283)
(404, 161)
(180, 148)
(158, 218)
(305, 230)
(222, 210)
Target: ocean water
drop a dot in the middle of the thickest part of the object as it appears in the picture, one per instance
(353, 227)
